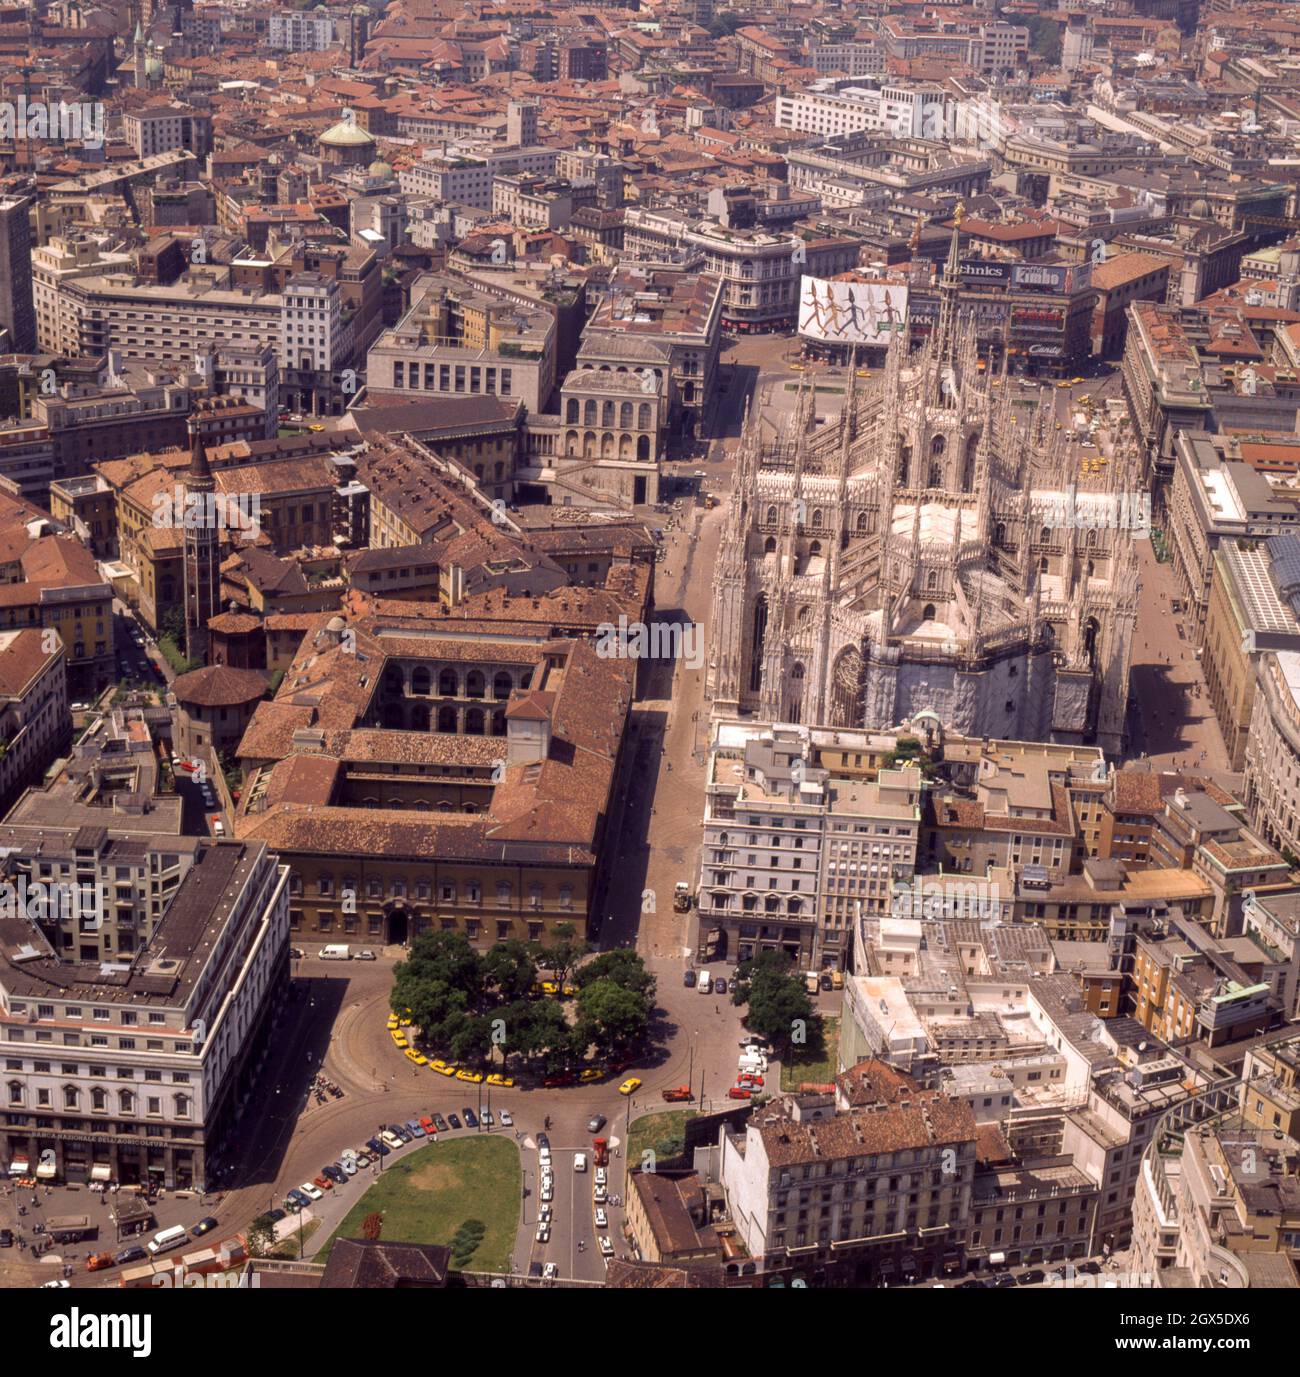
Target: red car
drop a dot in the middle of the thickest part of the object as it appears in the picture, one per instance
(323, 1182)
(749, 1078)
(428, 1125)
(740, 1092)
(554, 1082)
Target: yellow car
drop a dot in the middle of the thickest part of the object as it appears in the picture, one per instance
(392, 1023)
(475, 1077)
(400, 1041)
(570, 991)
(496, 1079)
(797, 367)
(589, 1075)
(442, 1068)
(406, 1022)
(417, 1057)
(629, 1086)
(549, 987)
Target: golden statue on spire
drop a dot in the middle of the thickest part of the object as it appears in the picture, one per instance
(959, 214)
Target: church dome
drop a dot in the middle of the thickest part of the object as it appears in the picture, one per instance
(381, 170)
(346, 135)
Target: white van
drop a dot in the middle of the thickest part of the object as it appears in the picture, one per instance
(167, 1239)
(705, 982)
(337, 951)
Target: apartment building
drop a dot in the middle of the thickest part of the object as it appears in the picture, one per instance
(869, 1185)
(34, 723)
(466, 177)
(533, 201)
(17, 309)
(1218, 1206)
(463, 340)
(296, 31)
(166, 127)
(759, 270)
(793, 853)
(158, 1023)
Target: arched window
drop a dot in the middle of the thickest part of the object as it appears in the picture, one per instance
(502, 684)
(607, 413)
(1045, 536)
(817, 519)
(862, 523)
(474, 722)
(769, 545)
(571, 412)
(936, 476)
(474, 684)
(125, 1102)
(625, 415)
(937, 446)
(815, 548)
(928, 612)
(498, 724)
(589, 412)
(98, 1098)
(643, 416)
(805, 612)
(420, 680)
(1000, 534)
(447, 683)
(932, 579)
(70, 1096)
(182, 1106)
(771, 516)
(447, 719)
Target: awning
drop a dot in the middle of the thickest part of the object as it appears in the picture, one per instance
(997, 1259)
(45, 1171)
(101, 1171)
(18, 1167)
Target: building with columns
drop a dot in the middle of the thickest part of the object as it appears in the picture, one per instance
(131, 1060)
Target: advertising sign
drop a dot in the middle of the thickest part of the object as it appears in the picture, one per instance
(850, 312)
(985, 270)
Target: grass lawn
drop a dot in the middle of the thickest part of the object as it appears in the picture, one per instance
(426, 1196)
(657, 1132)
(817, 1069)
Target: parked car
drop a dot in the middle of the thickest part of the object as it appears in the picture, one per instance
(600, 1195)
(365, 955)
(401, 1131)
(349, 1165)
(550, 1271)
(580, 1161)
(311, 1190)
(427, 1124)
(486, 1116)
(548, 1191)
(453, 1120)
(740, 1092)
(543, 1232)
(1034, 1277)
(391, 1138)
(602, 1177)
(719, 986)
(323, 1183)
(132, 1254)
(415, 1128)
(602, 1219)
(6, 1238)
(204, 1226)
(378, 1148)
(606, 1246)
(826, 982)
(630, 1086)
(334, 1172)
(689, 980)
(362, 1159)
(440, 1123)
(535, 1270)
(275, 1216)
(596, 1123)
(507, 1119)
(295, 1201)
(543, 1141)
(544, 1212)
(471, 1119)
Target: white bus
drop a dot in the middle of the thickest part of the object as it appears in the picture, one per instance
(167, 1239)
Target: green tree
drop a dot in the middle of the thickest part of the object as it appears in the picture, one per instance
(612, 1017)
(509, 967)
(443, 977)
(561, 953)
(779, 1007)
(260, 1238)
(467, 1036)
(623, 967)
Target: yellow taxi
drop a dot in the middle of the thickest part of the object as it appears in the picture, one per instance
(442, 1068)
(549, 987)
(405, 1022)
(590, 1074)
(392, 1023)
(474, 1077)
(497, 1079)
(629, 1086)
(797, 367)
(570, 991)
(316, 428)
(399, 1040)
(417, 1057)
(864, 372)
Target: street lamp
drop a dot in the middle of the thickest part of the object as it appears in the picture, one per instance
(380, 1155)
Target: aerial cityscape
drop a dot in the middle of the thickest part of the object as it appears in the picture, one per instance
(649, 645)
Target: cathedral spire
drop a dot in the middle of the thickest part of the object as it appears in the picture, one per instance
(949, 287)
